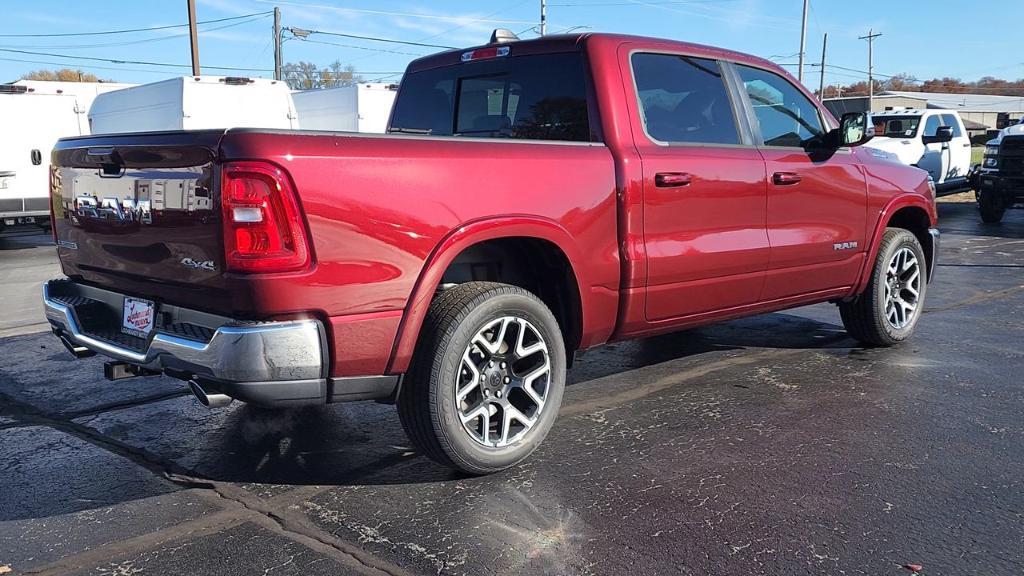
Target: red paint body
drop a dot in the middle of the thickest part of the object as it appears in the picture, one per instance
(387, 214)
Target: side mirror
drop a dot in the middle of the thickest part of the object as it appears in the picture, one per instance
(943, 134)
(855, 129)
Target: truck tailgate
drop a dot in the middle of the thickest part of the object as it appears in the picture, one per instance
(139, 212)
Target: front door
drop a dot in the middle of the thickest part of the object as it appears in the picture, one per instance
(817, 199)
(704, 190)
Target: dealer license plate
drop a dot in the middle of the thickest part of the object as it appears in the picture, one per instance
(137, 319)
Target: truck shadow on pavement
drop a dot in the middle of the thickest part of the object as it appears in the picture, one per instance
(363, 444)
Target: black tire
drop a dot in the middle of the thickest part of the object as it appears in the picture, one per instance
(865, 316)
(427, 404)
(991, 207)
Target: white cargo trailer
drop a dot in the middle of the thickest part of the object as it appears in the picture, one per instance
(359, 108)
(195, 103)
(34, 115)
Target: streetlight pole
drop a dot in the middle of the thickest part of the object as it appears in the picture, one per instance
(803, 43)
(194, 35)
(543, 17)
(277, 43)
(821, 81)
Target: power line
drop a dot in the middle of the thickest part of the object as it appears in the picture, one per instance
(361, 47)
(120, 61)
(301, 33)
(590, 4)
(390, 13)
(131, 42)
(130, 30)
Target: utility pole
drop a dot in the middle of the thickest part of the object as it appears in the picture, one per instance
(803, 44)
(277, 43)
(821, 82)
(543, 17)
(194, 36)
(871, 63)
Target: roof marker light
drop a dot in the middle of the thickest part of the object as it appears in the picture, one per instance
(482, 53)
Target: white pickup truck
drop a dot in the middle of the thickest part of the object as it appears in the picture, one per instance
(934, 140)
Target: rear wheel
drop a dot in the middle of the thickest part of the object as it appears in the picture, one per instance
(991, 206)
(487, 378)
(888, 310)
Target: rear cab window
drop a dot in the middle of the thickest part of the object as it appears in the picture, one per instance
(535, 97)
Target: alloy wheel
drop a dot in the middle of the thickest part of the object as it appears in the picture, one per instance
(902, 288)
(503, 381)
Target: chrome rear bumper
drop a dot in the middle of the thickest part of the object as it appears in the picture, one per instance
(272, 363)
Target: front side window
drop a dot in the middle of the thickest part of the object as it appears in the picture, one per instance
(950, 120)
(786, 117)
(684, 99)
(539, 97)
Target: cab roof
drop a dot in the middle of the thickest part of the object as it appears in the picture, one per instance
(595, 41)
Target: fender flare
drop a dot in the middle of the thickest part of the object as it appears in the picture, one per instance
(453, 244)
(885, 216)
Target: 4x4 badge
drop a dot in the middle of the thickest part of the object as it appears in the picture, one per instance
(198, 265)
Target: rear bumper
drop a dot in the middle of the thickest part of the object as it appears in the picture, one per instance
(268, 363)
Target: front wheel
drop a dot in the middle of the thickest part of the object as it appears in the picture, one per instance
(991, 207)
(888, 310)
(487, 378)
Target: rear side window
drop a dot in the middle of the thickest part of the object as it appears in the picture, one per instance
(540, 97)
(684, 99)
(785, 115)
(950, 120)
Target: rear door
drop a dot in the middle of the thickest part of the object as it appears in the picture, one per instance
(936, 157)
(703, 188)
(959, 148)
(817, 200)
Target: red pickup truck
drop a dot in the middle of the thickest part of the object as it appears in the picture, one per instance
(533, 199)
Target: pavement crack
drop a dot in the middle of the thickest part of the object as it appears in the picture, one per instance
(298, 529)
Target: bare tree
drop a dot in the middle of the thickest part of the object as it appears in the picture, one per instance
(307, 76)
(63, 75)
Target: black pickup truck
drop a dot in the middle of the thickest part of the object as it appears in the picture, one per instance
(1001, 181)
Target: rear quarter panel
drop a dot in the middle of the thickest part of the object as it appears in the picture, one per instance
(379, 208)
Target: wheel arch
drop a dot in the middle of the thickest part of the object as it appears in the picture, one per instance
(550, 247)
(908, 212)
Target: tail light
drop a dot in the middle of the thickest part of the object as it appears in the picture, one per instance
(263, 226)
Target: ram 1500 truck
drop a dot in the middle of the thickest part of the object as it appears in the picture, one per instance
(533, 199)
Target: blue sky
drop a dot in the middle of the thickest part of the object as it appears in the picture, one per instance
(923, 38)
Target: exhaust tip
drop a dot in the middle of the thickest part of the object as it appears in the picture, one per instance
(210, 400)
(76, 350)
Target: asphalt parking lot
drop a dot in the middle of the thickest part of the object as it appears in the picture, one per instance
(771, 445)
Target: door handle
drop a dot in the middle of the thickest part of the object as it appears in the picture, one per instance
(672, 179)
(786, 178)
